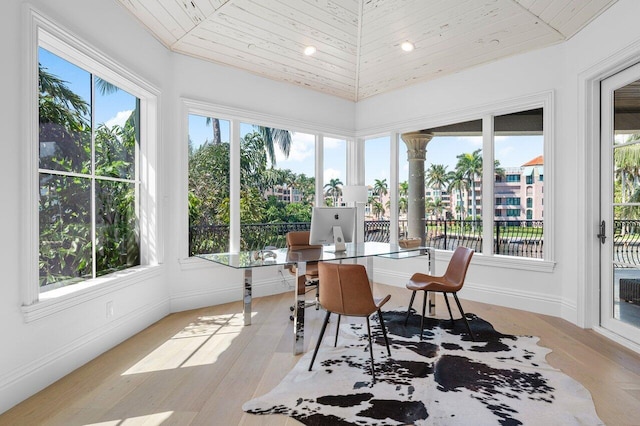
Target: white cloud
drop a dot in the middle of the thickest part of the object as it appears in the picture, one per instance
(120, 118)
(474, 140)
(331, 143)
(331, 174)
(302, 147)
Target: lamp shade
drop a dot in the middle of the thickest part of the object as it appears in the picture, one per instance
(354, 194)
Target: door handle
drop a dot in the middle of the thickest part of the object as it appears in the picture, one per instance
(602, 235)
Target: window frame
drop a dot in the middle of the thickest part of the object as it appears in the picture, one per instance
(236, 116)
(544, 100)
(42, 32)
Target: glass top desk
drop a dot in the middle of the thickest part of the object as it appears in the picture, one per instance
(248, 260)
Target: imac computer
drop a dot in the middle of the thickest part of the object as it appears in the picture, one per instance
(333, 225)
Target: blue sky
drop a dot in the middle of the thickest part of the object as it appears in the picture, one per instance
(512, 151)
(113, 108)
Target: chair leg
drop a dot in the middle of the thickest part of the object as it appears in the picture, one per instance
(373, 373)
(455, 296)
(384, 331)
(413, 296)
(446, 299)
(424, 307)
(324, 327)
(335, 344)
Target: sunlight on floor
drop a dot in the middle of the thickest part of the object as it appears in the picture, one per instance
(150, 419)
(199, 343)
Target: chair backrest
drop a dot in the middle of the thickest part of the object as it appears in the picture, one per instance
(345, 289)
(299, 240)
(458, 265)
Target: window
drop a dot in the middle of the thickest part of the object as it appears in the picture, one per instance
(335, 170)
(377, 154)
(277, 184)
(513, 201)
(88, 173)
(95, 167)
(455, 151)
(519, 146)
(208, 196)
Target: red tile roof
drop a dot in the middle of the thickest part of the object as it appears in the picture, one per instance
(538, 161)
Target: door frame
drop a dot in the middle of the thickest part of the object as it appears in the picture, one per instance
(607, 270)
(588, 186)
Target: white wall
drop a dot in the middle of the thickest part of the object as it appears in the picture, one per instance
(37, 353)
(555, 69)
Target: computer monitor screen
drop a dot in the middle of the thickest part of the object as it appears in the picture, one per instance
(332, 225)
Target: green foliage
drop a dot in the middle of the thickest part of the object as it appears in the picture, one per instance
(65, 209)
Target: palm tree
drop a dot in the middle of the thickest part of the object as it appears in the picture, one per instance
(377, 208)
(437, 207)
(403, 201)
(437, 176)
(273, 137)
(627, 167)
(498, 171)
(470, 164)
(216, 129)
(306, 187)
(334, 190)
(458, 182)
(380, 188)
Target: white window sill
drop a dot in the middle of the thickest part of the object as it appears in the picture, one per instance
(510, 262)
(60, 299)
(194, 262)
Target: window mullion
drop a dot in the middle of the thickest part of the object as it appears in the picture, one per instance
(488, 206)
(93, 179)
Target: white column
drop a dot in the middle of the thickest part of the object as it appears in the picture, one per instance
(416, 154)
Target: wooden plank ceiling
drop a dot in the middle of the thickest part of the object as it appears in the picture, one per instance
(358, 41)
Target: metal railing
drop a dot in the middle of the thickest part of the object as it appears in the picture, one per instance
(626, 242)
(522, 238)
(512, 238)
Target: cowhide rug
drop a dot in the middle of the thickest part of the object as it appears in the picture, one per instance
(446, 379)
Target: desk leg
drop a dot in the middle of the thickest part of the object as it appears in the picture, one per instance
(370, 269)
(298, 312)
(431, 298)
(247, 295)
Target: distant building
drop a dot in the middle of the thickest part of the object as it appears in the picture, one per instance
(518, 195)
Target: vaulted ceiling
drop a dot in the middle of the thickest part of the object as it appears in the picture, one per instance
(357, 42)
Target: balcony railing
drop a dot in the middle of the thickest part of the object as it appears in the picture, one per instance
(512, 238)
(521, 238)
(626, 242)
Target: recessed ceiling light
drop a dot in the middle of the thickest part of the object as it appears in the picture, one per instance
(309, 50)
(407, 46)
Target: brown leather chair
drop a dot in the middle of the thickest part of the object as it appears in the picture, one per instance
(298, 245)
(451, 282)
(345, 290)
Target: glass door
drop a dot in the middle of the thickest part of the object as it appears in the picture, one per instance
(619, 231)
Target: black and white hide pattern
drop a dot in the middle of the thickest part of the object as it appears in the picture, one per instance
(445, 379)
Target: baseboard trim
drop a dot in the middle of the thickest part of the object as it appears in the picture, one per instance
(37, 375)
(231, 293)
(531, 301)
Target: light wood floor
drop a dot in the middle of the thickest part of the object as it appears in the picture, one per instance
(198, 367)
